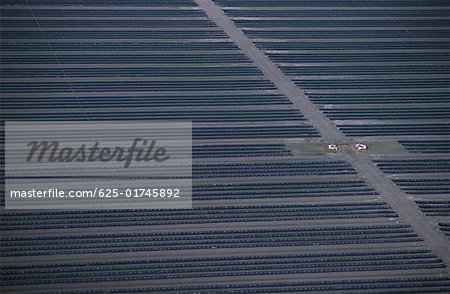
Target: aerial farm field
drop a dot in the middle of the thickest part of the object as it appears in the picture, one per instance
(321, 143)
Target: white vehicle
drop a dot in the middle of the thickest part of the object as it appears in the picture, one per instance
(361, 146)
(333, 147)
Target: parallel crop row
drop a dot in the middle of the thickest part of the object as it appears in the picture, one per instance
(281, 189)
(432, 96)
(290, 168)
(121, 58)
(423, 129)
(419, 285)
(414, 165)
(445, 228)
(200, 215)
(215, 267)
(388, 113)
(137, 86)
(200, 132)
(134, 100)
(289, 4)
(379, 83)
(233, 132)
(434, 208)
(106, 3)
(424, 186)
(353, 45)
(239, 150)
(133, 242)
(232, 115)
(320, 69)
(106, 23)
(347, 23)
(146, 46)
(70, 12)
(92, 35)
(357, 33)
(133, 72)
(305, 12)
(426, 146)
